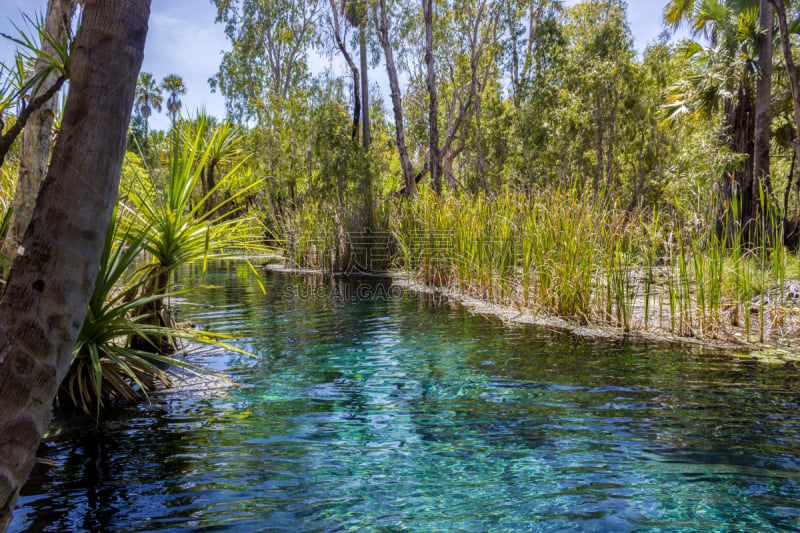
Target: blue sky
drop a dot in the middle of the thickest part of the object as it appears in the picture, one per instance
(184, 39)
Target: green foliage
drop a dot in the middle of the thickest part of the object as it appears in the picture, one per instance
(29, 44)
(267, 61)
(120, 353)
(546, 253)
(148, 96)
(105, 367)
(567, 254)
(179, 230)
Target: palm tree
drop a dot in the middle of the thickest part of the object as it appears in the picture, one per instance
(148, 98)
(173, 85)
(49, 288)
(726, 72)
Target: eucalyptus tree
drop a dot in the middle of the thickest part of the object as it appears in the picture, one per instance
(339, 29)
(52, 279)
(469, 60)
(358, 16)
(599, 63)
(533, 54)
(52, 69)
(458, 63)
(433, 99)
(148, 98)
(266, 82)
(355, 15)
(268, 60)
(533, 34)
(384, 14)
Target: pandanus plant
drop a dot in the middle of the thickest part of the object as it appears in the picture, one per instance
(25, 87)
(180, 229)
(105, 365)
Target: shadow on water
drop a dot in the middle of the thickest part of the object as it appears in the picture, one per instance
(368, 408)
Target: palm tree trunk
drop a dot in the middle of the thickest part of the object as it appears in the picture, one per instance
(35, 140)
(53, 277)
(737, 185)
(763, 119)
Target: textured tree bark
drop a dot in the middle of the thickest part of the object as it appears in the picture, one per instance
(737, 184)
(763, 118)
(397, 102)
(35, 140)
(53, 276)
(433, 100)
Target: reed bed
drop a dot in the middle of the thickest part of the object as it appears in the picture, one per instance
(576, 256)
(567, 254)
(332, 237)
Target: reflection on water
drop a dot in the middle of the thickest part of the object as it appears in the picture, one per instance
(369, 409)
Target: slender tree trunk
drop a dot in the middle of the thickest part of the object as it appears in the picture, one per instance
(365, 142)
(8, 138)
(433, 110)
(448, 164)
(763, 118)
(362, 43)
(610, 178)
(789, 184)
(35, 141)
(53, 276)
(511, 21)
(599, 173)
(397, 100)
(353, 69)
(146, 128)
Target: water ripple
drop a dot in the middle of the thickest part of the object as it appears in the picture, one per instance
(400, 414)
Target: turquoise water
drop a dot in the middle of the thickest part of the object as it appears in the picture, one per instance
(369, 409)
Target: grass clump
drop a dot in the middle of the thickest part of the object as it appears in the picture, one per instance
(579, 256)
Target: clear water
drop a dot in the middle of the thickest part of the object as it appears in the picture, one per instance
(367, 409)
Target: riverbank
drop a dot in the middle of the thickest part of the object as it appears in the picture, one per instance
(730, 340)
(777, 349)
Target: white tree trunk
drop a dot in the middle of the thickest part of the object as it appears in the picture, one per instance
(35, 138)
